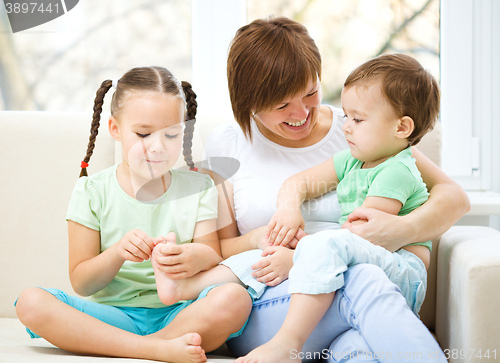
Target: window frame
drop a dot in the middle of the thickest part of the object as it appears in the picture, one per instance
(469, 74)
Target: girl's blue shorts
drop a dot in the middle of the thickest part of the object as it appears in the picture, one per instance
(141, 321)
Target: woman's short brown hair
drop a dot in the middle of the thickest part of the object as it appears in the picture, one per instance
(410, 89)
(269, 60)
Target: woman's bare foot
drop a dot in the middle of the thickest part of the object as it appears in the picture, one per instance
(169, 291)
(187, 348)
(283, 348)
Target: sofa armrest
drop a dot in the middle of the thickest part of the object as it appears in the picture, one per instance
(468, 291)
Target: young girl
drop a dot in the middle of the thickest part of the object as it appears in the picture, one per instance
(114, 220)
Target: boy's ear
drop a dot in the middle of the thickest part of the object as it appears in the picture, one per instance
(113, 128)
(405, 127)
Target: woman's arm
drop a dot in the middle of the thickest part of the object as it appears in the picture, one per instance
(231, 243)
(447, 203)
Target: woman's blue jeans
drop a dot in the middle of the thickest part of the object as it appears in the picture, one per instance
(368, 320)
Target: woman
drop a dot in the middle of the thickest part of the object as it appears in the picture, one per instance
(274, 69)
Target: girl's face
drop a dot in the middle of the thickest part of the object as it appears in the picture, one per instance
(372, 125)
(150, 128)
(294, 118)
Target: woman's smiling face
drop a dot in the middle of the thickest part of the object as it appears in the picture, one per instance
(294, 118)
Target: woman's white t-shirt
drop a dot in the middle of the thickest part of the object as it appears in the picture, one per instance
(264, 166)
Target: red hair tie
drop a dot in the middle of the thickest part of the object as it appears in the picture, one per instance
(194, 168)
(84, 165)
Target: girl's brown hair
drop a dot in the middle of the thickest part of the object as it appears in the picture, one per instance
(144, 79)
(269, 60)
(410, 89)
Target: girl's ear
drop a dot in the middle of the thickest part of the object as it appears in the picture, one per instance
(113, 128)
(405, 127)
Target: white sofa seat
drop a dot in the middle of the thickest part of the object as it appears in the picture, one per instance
(41, 154)
(468, 281)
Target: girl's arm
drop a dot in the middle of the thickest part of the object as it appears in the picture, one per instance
(308, 184)
(447, 203)
(90, 270)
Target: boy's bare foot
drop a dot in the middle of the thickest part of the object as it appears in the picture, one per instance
(169, 290)
(283, 348)
(187, 348)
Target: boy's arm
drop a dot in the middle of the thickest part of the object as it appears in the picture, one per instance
(309, 184)
(387, 205)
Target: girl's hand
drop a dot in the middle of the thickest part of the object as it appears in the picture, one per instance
(135, 246)
(179, 261)
(273, 269)
(283, 226)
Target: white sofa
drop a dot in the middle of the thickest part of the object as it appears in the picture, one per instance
(40, 163)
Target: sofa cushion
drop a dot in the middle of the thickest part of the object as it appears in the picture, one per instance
(41, 155)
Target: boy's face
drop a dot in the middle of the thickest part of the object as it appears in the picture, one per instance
(371, 124)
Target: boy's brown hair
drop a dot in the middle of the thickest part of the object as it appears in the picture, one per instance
(410, 89)
(269, 60)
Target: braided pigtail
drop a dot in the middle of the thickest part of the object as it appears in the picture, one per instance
(96, 118)
(191, 106)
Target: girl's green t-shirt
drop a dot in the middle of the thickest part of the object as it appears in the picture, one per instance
(98, 202)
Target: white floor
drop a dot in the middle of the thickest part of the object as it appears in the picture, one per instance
(17, 347)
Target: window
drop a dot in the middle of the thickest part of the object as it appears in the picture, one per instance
(349, 32)
(59, 65)
(470, 60)
(457, 40)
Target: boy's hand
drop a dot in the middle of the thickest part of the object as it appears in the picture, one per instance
(284, 226)
(273, 269)
(177, 261)
(135, 246)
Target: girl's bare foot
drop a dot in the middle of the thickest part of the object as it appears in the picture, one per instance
(187, 348)
(169, 291)
(283, 348)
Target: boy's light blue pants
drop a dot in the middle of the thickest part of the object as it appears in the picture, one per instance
(321, 259)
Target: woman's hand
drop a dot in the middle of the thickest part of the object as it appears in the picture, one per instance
(380, 228)
(180, 261)
(135, 246)
(273, 269)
